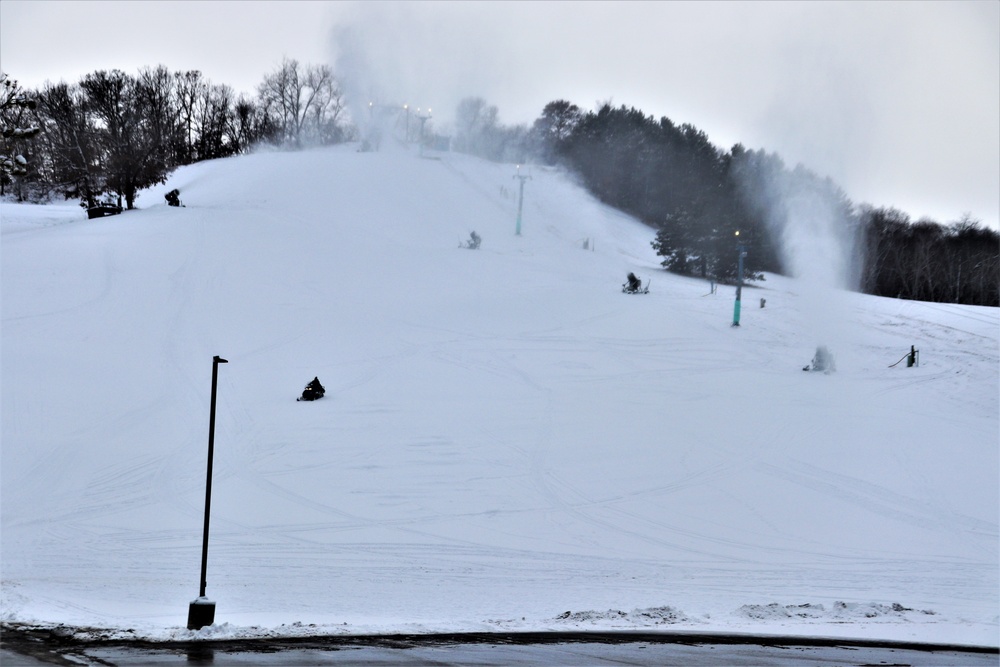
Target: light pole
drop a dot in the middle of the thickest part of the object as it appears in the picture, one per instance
(201, 612)
(741, 251)
(406, 108)
(520, 199)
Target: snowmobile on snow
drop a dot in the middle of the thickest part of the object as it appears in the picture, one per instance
(312, 391)
(634, 286)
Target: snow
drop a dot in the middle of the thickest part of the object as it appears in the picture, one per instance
(507, 441)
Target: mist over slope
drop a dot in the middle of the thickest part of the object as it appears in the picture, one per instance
(505, 435)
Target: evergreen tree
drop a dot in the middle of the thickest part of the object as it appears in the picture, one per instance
(14, 124)
(553, 128)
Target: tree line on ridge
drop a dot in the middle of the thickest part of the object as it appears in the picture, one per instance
(112, 134)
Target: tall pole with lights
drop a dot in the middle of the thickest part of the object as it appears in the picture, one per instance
(201, 612)
(741, 251)
(520, 199)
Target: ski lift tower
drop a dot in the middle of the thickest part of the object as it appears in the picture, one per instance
(423, 118)
(741, 252)
(520, 199)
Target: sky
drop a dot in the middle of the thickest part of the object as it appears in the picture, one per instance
(897, 102)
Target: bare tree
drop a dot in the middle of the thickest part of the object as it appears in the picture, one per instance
(475, 126)
(190, 88)
(324, 106)
(306, 101)
(133, 126)
(73, 159)
(159, 129)
(214, 123)
(250, 125)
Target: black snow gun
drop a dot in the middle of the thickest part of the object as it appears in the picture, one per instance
(633, 285)
(312, 391)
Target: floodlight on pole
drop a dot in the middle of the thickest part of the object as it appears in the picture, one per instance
(520, 199)
(201, 612)
(741, 251)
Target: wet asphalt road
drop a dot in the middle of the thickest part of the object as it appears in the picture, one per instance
(27, 649)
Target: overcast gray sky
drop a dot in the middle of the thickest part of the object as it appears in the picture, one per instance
(898, 102)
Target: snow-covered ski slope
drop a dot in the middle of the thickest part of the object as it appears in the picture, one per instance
(505, 437)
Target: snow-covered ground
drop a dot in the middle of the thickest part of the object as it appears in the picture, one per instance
(507, 442)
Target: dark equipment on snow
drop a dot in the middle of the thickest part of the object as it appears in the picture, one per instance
(312, 391)
(103, 210)
(634, 286)
(823, 361)
(912, 358)
(472, 243)
(173, 197)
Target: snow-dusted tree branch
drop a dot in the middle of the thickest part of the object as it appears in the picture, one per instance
(14, 103)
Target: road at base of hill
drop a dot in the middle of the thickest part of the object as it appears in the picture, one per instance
(24, 647)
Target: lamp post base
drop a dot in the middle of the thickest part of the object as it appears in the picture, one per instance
(201, 612)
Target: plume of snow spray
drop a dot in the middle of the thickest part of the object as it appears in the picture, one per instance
(813, 220)
(815, 232)
(358, 79)
(387, 56)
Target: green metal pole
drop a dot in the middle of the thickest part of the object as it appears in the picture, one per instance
(740, 249)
